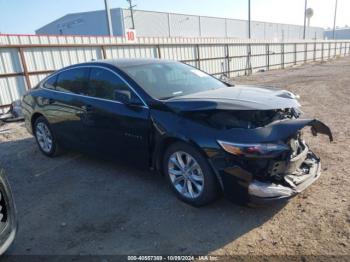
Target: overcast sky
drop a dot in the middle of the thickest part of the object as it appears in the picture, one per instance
(25, 16)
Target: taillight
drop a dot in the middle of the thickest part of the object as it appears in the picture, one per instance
(254, 150)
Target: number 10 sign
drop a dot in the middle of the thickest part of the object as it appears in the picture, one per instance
(130, 35)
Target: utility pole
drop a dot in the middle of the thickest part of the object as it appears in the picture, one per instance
(249, 21)
(131, 8)
(109, 19)
(335, 18)
(304, 34)
(248, 67)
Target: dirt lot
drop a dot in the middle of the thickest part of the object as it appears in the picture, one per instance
(76, 204)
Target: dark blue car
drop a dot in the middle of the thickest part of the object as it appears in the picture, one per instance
(204, 135)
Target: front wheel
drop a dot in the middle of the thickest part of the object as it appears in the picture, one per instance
(189, 175)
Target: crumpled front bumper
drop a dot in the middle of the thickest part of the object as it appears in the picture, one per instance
(294, 183)
(249, 180)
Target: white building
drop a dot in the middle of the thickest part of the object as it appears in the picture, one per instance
(159, 24)
(340, 33)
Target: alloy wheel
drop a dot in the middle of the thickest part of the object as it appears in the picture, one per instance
(185, 174)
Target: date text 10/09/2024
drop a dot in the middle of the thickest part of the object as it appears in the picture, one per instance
(172, 258)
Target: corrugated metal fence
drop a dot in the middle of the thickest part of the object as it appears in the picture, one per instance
(26, 59)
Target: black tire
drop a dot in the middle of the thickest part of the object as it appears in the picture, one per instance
(210, 188)
(55, 149)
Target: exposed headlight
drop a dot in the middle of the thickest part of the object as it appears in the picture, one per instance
(254, 150)
(288, 94)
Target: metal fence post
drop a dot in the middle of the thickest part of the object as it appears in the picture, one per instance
(344, 48)
(25, 68)
(159, 54)
(305, 52)
(267, 50)
(103, 52)
(322, 51)
(315, 51)
(335, 52)
(248, 66)
(228, 61)
(282, 55)
(198, 57)
(295, 53)
(329, 50)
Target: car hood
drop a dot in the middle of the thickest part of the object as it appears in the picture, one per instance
(236, 98)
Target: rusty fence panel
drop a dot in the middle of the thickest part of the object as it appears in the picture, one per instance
(25, 60)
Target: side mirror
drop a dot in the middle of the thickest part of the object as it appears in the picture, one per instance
(123, 96)
(126, 97)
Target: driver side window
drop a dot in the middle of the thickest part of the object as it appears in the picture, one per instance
(104, 84)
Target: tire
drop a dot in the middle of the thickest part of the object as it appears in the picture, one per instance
(203, 189)
(42, 128)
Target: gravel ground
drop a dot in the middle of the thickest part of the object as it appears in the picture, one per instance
(76, 204)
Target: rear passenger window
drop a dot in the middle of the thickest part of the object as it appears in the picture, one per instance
(104, 83)
(50, 83)
(73, 81)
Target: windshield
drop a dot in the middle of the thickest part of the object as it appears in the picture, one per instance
(169, 80)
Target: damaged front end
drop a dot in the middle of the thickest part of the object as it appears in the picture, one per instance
(288, 175)
(259, 153)
(263, 154)
(277, 164)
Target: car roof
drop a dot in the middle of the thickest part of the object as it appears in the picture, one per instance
(122, 63)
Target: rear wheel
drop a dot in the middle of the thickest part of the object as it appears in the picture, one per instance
(189, 174)
(44, 137)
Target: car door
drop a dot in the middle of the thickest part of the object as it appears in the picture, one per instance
(64, 108)
(112, 127)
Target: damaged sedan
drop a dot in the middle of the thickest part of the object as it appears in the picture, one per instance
(205, 136)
